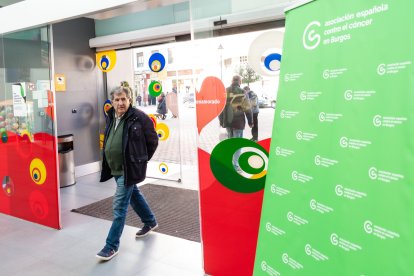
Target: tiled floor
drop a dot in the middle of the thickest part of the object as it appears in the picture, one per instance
(31, 249)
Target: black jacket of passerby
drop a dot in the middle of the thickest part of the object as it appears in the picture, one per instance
(139, 142)
(162, 105)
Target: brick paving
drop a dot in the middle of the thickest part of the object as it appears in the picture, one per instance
(181, 145)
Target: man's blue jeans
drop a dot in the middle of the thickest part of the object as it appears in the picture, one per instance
(125, 195)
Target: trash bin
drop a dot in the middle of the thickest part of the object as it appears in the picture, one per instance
(66, 160)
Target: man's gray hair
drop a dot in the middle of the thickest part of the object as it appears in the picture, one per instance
(121, 89)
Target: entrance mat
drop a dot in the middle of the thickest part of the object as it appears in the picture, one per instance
(176, 211)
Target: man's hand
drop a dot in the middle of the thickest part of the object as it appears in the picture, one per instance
(251, 125)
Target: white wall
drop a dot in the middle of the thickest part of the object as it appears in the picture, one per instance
(123, 70)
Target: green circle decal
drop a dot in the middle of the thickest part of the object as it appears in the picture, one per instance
(251, 163)
(155, 88)
(4, 136)
(240, 165)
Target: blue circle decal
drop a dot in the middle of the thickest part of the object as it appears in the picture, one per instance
(272, 62)
(157, 62)
(105, 62)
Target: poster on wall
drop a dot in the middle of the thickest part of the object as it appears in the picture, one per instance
(339, 192)
(60, 82)
(19, 100)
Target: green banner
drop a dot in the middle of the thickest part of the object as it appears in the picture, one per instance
(339, 194)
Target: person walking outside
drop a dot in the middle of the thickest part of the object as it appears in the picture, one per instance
(254, 103)
(130, 141)
(162, 106)
(139, 100)
(235, 112)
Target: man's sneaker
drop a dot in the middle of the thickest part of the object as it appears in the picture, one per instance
(106, 254)
(145, 230)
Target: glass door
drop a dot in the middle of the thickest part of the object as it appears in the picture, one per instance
(236, 87)
(28, 170)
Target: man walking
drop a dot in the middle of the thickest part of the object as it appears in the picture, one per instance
(130, 141)
(233, 117)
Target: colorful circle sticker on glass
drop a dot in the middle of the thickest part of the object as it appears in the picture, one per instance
(155, 88)
(153, 119)
(163, 168)
(107, 105)
(156, 62)
(240, 165)
(8, 185)
(272, 62)
(25, 134)
(265, 53)
(38, 171)
(4, 136)
(106, 60)
(163, 131)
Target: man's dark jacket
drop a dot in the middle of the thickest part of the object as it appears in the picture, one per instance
(139, 142)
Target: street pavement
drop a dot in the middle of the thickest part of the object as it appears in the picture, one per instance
(181, 145)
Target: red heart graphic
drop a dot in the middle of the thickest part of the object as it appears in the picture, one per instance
(210, 101)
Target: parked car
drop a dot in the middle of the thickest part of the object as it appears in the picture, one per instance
(264, 102)
(267, 100)
(189, 100)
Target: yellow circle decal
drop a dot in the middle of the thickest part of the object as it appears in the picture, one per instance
(163, 168)
(155, 66)
(38, 171)
(162, 131)
(106, 60)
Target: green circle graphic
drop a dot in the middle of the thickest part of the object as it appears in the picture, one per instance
(4, 137)
(244, 163)
(155, 88)
(221, 163)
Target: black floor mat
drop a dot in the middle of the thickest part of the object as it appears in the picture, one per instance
(176, 211)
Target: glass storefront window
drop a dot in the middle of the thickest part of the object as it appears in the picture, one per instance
(236, 94)
(29, 174)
